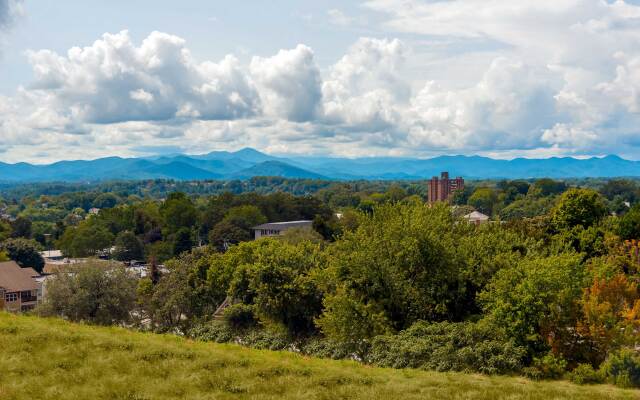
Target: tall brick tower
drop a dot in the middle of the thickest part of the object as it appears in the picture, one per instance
(440, 189)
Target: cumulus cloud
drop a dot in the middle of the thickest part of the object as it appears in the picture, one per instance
(114, 81)
(508, 108)
(364, 89)
(289, 83)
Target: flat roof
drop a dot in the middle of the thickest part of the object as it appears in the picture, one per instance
(283, 225)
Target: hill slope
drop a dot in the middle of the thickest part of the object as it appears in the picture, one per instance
(53, 359)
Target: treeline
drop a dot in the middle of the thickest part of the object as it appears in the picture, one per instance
(408, 285)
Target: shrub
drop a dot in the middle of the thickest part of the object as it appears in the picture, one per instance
(240, 316)
(622, 368)
(585, 374)
(216, 331)
(325, 348)
(266, 340)
(445, 346)
(548, 367)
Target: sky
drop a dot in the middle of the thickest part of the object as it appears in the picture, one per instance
(420, 78)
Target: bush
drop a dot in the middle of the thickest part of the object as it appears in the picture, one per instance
(240, 316)
(548, 367)
(216, 331)
(584, 374)
(325, 348)
(622, 368)
(445, 346)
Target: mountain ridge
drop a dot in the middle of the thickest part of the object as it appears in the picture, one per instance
(247, 163)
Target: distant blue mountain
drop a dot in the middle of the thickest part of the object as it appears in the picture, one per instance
(248, 163)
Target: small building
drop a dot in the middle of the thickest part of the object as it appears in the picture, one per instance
(55, 255)
(277, 228)
(94, 211)
(476, 218)
(20, 289)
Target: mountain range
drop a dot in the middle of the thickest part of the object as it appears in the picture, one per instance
(248, 163)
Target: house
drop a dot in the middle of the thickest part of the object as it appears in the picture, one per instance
(276, 228)
(476, 218)
(20, 289)
(93, 211)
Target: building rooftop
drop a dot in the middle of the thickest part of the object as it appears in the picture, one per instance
(283, 225)
(475, 215)
(15, 279)
(51, 254)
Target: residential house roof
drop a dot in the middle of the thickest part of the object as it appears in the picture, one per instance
(284, 225)
(476, 216)
(13, 278)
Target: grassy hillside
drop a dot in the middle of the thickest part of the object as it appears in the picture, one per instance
(52, 359)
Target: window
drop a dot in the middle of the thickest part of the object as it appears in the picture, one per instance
(11, 297)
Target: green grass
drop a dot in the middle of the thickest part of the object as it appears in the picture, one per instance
(53, 359)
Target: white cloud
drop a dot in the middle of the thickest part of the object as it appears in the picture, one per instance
(114, 81)
(289, 83)
(337, 17)
(365, 89)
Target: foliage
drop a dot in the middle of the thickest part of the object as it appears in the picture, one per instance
(584, 374)
(240, 316)
(25, 252)
(622, 368)
(445, 346)
(275, 278)
(536, 300)
(611, 315)
(483, 200)
(95, 293)
(578, 207)
(128, 247)
(629, 224)
(548, 366)
(85, 240)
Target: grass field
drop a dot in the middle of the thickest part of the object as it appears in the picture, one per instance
(53, 359)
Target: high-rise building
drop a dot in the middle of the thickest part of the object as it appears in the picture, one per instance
(440, 189)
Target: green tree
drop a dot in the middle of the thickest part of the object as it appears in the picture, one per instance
(536, 302)
(276, 278)
(183, 242)
(25, 252)
(399, 266)
(105, 201)
(547, 187)
(629, 225)
(225, 233)
(93, 293)
(245, 217)
(128, 247)
(483, 199)
(178, 211)
(578, 207)
(85, 240)
(21, 228)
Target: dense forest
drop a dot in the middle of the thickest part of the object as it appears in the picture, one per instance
(549, 288)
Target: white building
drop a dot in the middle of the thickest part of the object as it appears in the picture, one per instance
(276, 228)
